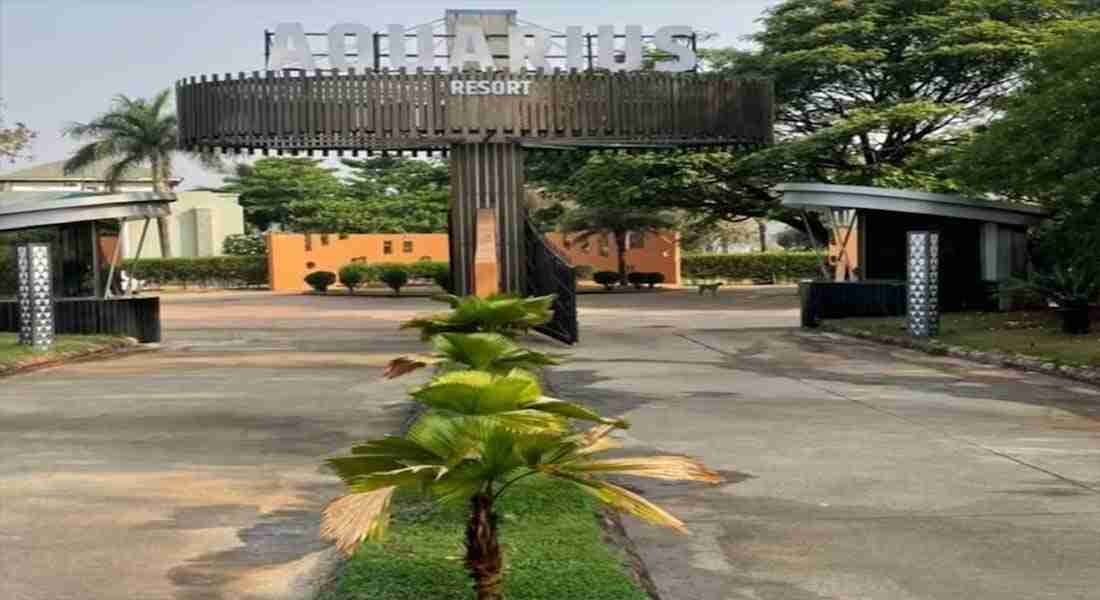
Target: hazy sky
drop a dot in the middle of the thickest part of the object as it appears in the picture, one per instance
(63, 60)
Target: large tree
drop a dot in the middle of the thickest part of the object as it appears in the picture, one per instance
(268, 187)
(871, 92)
(1046, 146)
(135, 131)
(14, 141)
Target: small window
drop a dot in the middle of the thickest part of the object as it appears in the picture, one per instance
(310, 265)
(342, 236)
(387, 247)
(407, 246)
(324, 239)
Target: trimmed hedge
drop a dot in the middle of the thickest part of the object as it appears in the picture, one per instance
(207, 271)
(783, 266)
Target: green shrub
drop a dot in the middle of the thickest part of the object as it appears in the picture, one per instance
(354, 275)
(788, 266)
(395, 276)
(606, 278)
(320, 280)
(583, 272)
(636, 279)
(427, 269)
(653, 278)
(445, 281)
(207, 271)
(240, 244)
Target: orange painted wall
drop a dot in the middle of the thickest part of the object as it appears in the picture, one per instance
(659, 253)
(291, 256)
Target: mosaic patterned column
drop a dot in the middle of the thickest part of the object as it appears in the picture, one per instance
(35, 295)
(922, 298)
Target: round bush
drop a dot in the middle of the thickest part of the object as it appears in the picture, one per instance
(606, 278)
(394, 277)
(583, 272)
(354, 275)
(636, 279)
(445, 281)
(320, 280)
(653, 278)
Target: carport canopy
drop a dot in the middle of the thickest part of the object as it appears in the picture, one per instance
(26, 210)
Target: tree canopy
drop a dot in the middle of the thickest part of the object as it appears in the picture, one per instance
(874, 92)
(1045, 146)
(15, 140)
(269, 186)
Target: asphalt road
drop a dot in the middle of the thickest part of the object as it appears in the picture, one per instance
(194, 472)
(855, 471)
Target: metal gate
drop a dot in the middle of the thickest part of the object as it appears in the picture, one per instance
(550, 273)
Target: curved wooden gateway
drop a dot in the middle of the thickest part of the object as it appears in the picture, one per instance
(326, 111)
(485, 121)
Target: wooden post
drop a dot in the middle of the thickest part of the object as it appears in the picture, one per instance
(487, 177)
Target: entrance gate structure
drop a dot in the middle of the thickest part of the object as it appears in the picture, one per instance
(486, 137)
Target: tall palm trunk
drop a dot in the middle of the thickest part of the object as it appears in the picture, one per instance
(762, 229)
(620, 249)
(164, 229)
(483, 557)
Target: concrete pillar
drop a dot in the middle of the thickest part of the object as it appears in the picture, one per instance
(204, 232)
(487, 176)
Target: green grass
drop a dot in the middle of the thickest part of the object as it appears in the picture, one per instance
(11, 353)
(1034, 333)
(552, 543)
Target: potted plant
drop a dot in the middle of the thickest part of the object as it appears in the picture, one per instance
(1072, 289)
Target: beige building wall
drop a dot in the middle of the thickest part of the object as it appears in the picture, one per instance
(200, 222)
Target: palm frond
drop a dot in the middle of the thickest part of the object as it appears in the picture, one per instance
(350, 519)
(674, 468)
(625, 501)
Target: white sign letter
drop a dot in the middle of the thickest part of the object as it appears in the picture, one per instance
(685, 58)
(396, 37)
(518, 53)
(470, 46)
(633, 54)
(574, 54)
(337, 46)
(425, 48)
(283, 56)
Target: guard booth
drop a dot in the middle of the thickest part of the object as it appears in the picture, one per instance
(82, 230)
(982, 244)
(484, 92)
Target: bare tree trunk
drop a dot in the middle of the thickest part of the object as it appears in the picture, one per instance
(164, 229)
(620, 250)
(762, 227)
(484, 559)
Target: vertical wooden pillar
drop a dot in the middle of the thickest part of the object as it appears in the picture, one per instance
(487, 180)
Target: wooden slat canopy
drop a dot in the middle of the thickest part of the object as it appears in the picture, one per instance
(388, 110)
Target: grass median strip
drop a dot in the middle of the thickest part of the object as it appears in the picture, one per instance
(1030, 333)
(553, 543)
(13, 355)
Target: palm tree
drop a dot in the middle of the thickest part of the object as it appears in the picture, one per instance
(481, 434)
(618, 221)
(134, 132)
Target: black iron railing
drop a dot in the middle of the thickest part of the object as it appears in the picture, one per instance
(550, 273)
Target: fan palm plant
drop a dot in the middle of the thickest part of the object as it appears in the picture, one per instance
(135, 131)
(503, 314)
(490, 352)
(482, 434)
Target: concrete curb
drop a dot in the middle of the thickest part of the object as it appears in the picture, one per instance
(110, 349)
(1019, 362)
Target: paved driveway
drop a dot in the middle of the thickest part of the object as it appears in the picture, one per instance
(855, 471)
(193, 473)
